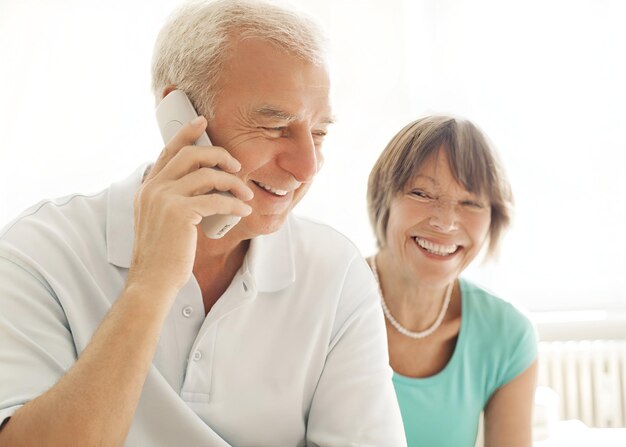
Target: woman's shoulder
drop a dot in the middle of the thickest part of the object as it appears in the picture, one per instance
(488, 306)
(495, 321)
(499, 330)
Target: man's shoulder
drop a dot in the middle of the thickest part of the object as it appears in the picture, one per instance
(76, 220)
(319, 236)
(69, 224)
(62, 212)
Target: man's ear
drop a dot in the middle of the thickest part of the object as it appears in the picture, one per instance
(167, 90)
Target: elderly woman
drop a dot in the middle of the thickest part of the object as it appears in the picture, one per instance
(436, 196)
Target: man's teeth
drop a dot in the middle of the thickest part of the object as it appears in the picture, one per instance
(437, 249)
(275, 191)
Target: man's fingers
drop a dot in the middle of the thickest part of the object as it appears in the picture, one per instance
(192, 158)
(207, 180)
(211, 204)
(186, 136)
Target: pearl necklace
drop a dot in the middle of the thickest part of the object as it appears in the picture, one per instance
(404, 331)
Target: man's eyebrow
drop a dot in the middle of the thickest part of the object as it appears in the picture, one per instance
(328, 120)
(273, 112)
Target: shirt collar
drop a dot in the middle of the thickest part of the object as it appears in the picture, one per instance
(120, 231)
(270, 258)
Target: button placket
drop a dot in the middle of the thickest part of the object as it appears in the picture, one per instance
(197, 384)
(186, 317)
(200, 365)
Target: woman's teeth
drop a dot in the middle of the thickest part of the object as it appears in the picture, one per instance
(275, 191)
(437, 249)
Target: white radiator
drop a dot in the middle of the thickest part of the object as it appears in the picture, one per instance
(589, 377)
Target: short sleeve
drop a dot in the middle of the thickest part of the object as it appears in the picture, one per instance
(521, 344)
(36, 346)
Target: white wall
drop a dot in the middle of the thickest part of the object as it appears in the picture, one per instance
(543, 79)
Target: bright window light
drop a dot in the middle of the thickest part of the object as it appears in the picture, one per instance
(545, 80)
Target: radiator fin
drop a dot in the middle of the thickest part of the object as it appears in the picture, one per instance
(589, 377)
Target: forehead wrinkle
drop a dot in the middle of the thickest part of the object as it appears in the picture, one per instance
(427, 177)
(438, 185)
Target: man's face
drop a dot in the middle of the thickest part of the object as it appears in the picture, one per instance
(271, 114)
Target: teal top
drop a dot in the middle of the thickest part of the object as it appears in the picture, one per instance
(495, 344)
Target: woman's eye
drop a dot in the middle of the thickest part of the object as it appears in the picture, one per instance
(418, 193)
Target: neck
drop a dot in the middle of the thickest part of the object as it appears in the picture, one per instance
(412, 302)
(216, 264)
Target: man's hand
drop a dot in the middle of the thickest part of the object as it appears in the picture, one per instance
(94, 402)
(178, 192)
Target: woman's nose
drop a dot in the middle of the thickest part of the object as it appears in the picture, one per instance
(444, 217)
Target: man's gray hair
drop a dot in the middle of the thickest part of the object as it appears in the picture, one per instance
(193, 46)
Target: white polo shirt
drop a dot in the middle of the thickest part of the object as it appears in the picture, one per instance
(294, 353)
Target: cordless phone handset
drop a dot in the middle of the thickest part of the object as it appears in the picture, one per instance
(172, 113)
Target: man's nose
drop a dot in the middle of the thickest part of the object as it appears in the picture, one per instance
(444, 216)
(302, 159)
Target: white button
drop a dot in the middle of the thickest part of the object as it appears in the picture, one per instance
(197, 355)
(187, 311)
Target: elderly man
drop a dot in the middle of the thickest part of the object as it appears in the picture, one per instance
(121, 322)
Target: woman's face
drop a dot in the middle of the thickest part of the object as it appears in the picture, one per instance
(436, 227)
